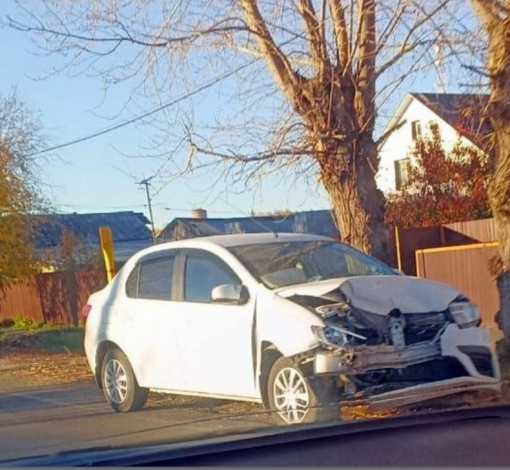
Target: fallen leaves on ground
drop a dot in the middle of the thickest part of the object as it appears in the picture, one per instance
(353, 412)
(46, 369)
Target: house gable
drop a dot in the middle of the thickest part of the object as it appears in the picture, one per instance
(414, 116)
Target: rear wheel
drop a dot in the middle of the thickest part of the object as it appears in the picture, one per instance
(298, 398)
(120, 386)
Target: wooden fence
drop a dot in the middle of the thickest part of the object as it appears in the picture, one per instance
(465, 267)
(405, 241)
(56, 297)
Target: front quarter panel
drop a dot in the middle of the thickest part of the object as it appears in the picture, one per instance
(284, 324)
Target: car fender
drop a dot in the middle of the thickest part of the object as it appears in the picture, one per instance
(99, 324)
(284, 324)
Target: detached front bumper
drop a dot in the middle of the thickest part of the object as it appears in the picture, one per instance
(471, 347)
(369, 358)
(428, 391)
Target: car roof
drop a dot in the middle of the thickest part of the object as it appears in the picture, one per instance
(258, 238)
(234, 240)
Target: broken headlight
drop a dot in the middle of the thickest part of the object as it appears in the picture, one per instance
(333, 336)
(465, 314)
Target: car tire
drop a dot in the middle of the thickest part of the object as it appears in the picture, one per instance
(312, 398)
(120, 386)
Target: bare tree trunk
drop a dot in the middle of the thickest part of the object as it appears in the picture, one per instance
(358, 206)
(495, 18)
(499, 199)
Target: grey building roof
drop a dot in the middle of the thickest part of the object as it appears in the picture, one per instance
(315, 222)
(126, 226)
(129, 230)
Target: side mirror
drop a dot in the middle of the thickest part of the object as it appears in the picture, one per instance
(230, 293)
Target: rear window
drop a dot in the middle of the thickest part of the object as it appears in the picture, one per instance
(132, 282)
(155, 278)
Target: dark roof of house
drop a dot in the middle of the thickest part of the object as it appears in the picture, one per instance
(316, 222)
(463, 111)
(126, 226)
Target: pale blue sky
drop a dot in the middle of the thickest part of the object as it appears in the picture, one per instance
(94, 176)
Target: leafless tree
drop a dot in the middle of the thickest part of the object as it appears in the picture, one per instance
(331, 62)
(494, 15)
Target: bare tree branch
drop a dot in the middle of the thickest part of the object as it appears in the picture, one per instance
(340, 31)
(287, 79)
(406, 47)
(316, 40)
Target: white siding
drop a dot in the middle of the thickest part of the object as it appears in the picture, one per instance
(400, 143)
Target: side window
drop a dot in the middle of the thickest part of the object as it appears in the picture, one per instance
(203, 273)
(156, 278)
(132, 283)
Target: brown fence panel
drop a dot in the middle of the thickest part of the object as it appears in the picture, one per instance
(459, 233)
(467, 269)
(21, 300)
(56, 297)
(88, 282)
(478, 231)
(412, 239)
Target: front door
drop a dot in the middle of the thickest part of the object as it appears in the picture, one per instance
(215, 340)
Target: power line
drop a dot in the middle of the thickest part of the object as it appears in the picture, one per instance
(141, 116)
(132, 206)
(81, 206)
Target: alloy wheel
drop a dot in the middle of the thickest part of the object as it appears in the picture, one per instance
(291, 395)
(115, 379)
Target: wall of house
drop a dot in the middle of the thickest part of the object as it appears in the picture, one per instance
(400, 143)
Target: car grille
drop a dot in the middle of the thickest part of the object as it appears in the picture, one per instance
(423, 326)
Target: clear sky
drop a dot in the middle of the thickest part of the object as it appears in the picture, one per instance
(95, 176)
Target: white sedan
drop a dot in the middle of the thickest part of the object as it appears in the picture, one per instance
(296, 322)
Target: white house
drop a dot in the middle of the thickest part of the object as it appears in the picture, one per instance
(457, 115)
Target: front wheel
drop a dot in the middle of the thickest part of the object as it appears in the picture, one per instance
(120, 386)
(297, 398)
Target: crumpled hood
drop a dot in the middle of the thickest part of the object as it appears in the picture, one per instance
(382, 294)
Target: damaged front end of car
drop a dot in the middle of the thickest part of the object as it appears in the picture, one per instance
(397, 353)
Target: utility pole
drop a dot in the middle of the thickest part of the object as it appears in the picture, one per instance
(146, 182)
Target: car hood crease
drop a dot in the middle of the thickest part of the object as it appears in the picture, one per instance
(383, 294)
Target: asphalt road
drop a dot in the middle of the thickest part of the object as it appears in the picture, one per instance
(40, 419)
(45, 420)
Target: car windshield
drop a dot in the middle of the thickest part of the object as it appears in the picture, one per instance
(288, 263)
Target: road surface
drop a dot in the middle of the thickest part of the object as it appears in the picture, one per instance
(44, 420)
(38, 419)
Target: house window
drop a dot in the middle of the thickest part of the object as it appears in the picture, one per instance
(402, 172)
(416, 130)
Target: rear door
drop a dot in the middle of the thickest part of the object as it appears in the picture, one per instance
(215, 339)
(150, 322)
